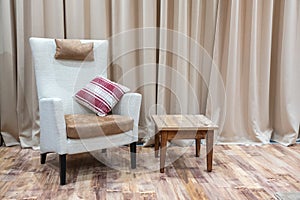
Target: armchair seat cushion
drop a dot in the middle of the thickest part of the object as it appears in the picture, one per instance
(82, 126)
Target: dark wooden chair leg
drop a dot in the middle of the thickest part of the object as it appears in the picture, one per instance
(133, 155)
(62, 168)
(198, 146)
(43, 158)
(1, 140)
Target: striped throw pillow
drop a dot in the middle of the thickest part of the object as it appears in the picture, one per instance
(100, 95)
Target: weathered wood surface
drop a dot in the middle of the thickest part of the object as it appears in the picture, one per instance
(239, 172)
(183, 122)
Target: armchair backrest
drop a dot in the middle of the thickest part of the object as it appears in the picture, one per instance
(63, 78)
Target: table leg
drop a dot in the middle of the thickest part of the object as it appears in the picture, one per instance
(163, 150)
(156, 144)
(198, 146)
(209, 149)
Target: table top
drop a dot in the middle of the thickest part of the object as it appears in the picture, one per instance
(183, 122)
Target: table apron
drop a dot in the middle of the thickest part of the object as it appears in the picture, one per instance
(184, 134)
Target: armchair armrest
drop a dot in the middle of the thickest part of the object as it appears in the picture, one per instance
(130, 105)
(53, 137)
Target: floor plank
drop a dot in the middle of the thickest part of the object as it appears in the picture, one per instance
(239, 172)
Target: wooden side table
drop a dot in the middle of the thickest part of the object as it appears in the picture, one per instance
(196, 127)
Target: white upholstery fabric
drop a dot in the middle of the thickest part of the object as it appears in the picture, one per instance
(63, 78)
(129, 106)
(52, 124)
(57, 81)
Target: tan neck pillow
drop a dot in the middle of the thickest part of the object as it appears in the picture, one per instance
(74, 50)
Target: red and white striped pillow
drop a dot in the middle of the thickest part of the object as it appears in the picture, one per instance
(100, 95)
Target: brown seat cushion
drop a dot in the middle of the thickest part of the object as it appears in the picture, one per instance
(80, 126)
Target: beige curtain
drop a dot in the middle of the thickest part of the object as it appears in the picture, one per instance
(8, 74)
(285, 72)
(255, 51)
(235, 61)
(186, 44)
(242, 53)
(19, 107)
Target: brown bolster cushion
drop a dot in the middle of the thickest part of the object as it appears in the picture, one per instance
(81, 126)
(74, 50)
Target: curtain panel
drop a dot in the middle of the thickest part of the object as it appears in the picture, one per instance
(19, 106)
(235, 61)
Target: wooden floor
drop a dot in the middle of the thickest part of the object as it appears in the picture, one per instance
(239, 172)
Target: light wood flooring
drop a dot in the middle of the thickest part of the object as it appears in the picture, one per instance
(239, 172)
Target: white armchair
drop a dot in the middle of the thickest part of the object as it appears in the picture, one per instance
(57, 81)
